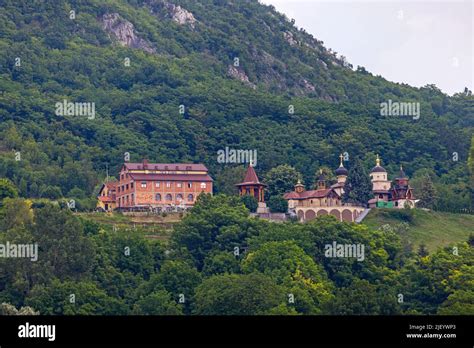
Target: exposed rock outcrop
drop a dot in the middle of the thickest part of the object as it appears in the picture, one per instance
(240, 75)
(165, 9)
(289, 37)
(124, 32)
(308, 86)
(180, 15)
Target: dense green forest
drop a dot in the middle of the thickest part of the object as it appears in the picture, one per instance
(169, 96)
(222, 261)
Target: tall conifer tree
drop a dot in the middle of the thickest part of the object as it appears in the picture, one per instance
(427, 194)
(358, 187)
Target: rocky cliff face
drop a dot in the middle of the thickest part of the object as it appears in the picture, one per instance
(180, 15)
(269, 68)
(167, 10)
(240, 75)
(123, 31)
(290, 38)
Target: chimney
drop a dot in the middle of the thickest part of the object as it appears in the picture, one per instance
(145, 163)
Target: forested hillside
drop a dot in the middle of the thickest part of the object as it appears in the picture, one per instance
(221, 261)
(177, 81)
(237, 69)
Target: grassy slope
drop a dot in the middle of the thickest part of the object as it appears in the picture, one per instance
(435, 229)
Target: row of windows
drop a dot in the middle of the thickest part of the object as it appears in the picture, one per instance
(372, 176)
(168, 184)
(158, 198)
(122, 200)
(169, 197)
(144, 184)
(124, 187)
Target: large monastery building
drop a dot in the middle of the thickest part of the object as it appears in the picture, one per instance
(324, 200)
(153, 185)
(309, 204)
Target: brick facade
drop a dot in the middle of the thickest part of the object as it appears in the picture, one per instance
(157, 184)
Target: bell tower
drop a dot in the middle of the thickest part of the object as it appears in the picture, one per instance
(380, 184)
(299, 187)
(321, 180)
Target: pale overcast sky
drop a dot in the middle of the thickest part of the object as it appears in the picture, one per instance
(416, 42)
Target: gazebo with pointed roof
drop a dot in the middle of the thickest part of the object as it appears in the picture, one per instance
(252, 186)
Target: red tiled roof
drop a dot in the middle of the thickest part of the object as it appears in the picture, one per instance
(112, 185)
(308, 194)
(167, 166)
(170, 177)
(291, 195)
(106, 199)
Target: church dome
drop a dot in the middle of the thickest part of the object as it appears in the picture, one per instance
(378, 169)
(342, 171)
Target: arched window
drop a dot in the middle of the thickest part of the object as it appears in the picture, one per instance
(190, 198)
(203, 185)
(169, 197)
(179, 197)
(158, 197)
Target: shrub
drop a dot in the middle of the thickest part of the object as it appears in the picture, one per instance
(250, 203)
(278, 204)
